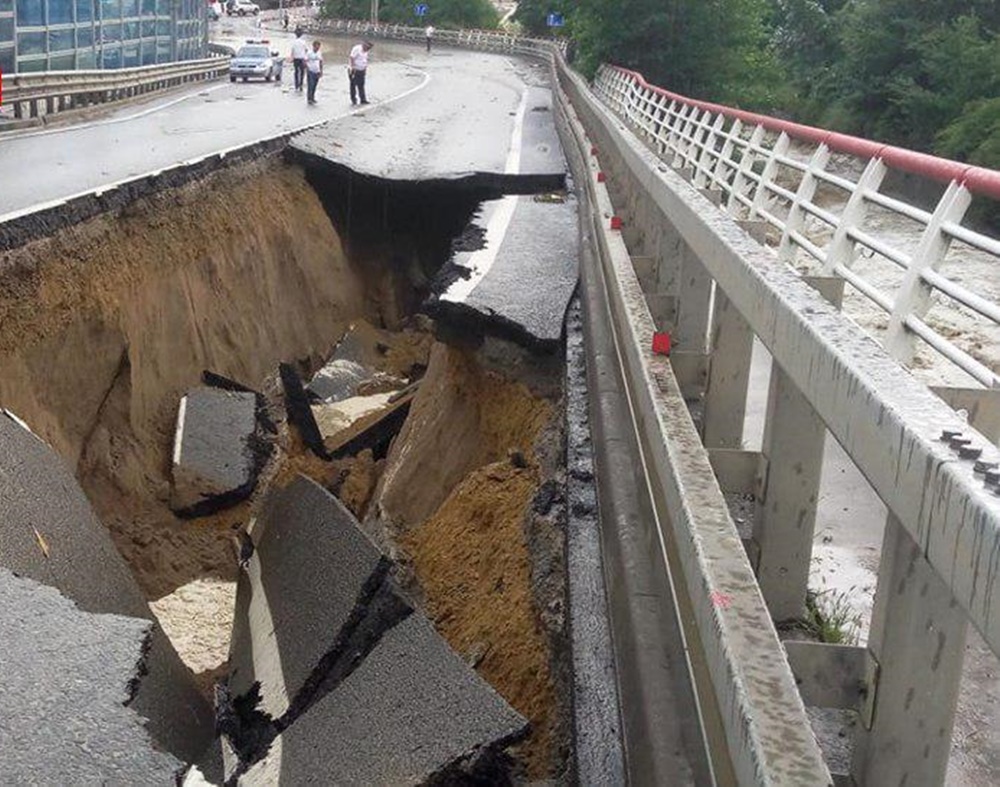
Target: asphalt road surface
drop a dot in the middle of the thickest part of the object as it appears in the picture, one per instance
(421, 105)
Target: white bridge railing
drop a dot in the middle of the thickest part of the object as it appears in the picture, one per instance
(486, 40)
(34, 95)
(831, 214)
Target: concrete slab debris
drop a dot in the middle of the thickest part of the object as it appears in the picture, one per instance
(218, 450)
(338, 380)
(413, 710)
(41, 503)
(68, 678)
(513, 272)
(361, 422)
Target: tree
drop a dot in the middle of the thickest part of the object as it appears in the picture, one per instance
(717, 49)
(478, 14)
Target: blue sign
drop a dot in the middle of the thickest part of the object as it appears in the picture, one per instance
(421, 9)
(556, 20)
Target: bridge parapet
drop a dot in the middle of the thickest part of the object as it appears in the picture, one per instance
(672, 163)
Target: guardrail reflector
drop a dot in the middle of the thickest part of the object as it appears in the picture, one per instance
(601, 177)
(661, 343)
(616, 222)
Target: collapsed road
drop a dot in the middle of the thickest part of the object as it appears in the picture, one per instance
(400, 589)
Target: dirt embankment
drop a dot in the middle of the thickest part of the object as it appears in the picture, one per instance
(456, 499)
(104, 325)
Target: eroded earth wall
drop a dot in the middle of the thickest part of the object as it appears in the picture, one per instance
(105, 324)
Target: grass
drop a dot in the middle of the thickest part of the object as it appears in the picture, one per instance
(830, 617)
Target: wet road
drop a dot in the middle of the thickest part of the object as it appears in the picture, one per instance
(425, 108)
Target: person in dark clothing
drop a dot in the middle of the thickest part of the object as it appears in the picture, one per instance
(357, 68)
(299, 51)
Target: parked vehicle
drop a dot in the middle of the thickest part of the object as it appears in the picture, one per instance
(256, 60)
(242, 8)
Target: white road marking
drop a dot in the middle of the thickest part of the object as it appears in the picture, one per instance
(481, 261)
(179, 433)
(102, 189)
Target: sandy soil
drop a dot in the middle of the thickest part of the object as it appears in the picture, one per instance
(107, 323)
(462, 418)
(472, 563)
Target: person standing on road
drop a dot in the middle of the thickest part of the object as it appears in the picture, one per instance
(299, 51)
(314, 70)
(286, 20)
(429, 35)
(357, 66)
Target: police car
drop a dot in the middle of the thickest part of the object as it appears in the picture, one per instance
(255, 60)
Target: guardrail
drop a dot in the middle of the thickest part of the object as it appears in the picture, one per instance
(486, 40)
(826, 214)
(698, 271)
(48, 92)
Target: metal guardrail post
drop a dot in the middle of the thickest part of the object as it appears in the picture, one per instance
(918, 637)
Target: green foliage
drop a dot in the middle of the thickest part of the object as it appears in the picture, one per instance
(974, 136)
(478, 14)
(710, 48)
(831, 618)
(532, 15)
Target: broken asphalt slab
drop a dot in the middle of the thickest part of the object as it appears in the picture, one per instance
(67, 681)
(514, 273)
(509, 143)
(412, 711)
(49, 533)
(219, 450)
(303, 596)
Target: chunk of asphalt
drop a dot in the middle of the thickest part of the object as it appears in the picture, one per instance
(218, 450)
(517, 284)
(48, 533)
(311, 603)
(214, 380)
(300, 414)
(338, 380)
(67, 679)
(411, 712)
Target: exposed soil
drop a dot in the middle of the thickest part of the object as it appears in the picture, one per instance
(462, 418)
(455, 506)
(472, 562)
(107, 323)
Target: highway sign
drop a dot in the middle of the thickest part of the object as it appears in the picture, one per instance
(555, 20)
(421, 9)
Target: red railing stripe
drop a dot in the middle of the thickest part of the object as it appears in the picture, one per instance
(978, 180)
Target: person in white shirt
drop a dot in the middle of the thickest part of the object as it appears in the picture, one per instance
(299, 51)
(429, 35)
(314, 70)
(357, 66)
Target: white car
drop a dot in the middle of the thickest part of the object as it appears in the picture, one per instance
(244, 7)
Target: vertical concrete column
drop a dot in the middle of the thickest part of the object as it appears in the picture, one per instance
(729, 374)
(694, 300)
(917, 637)
(785, 515)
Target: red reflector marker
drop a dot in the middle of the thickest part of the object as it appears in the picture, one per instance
(616, 222)
(661, 344)
(601, 177)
